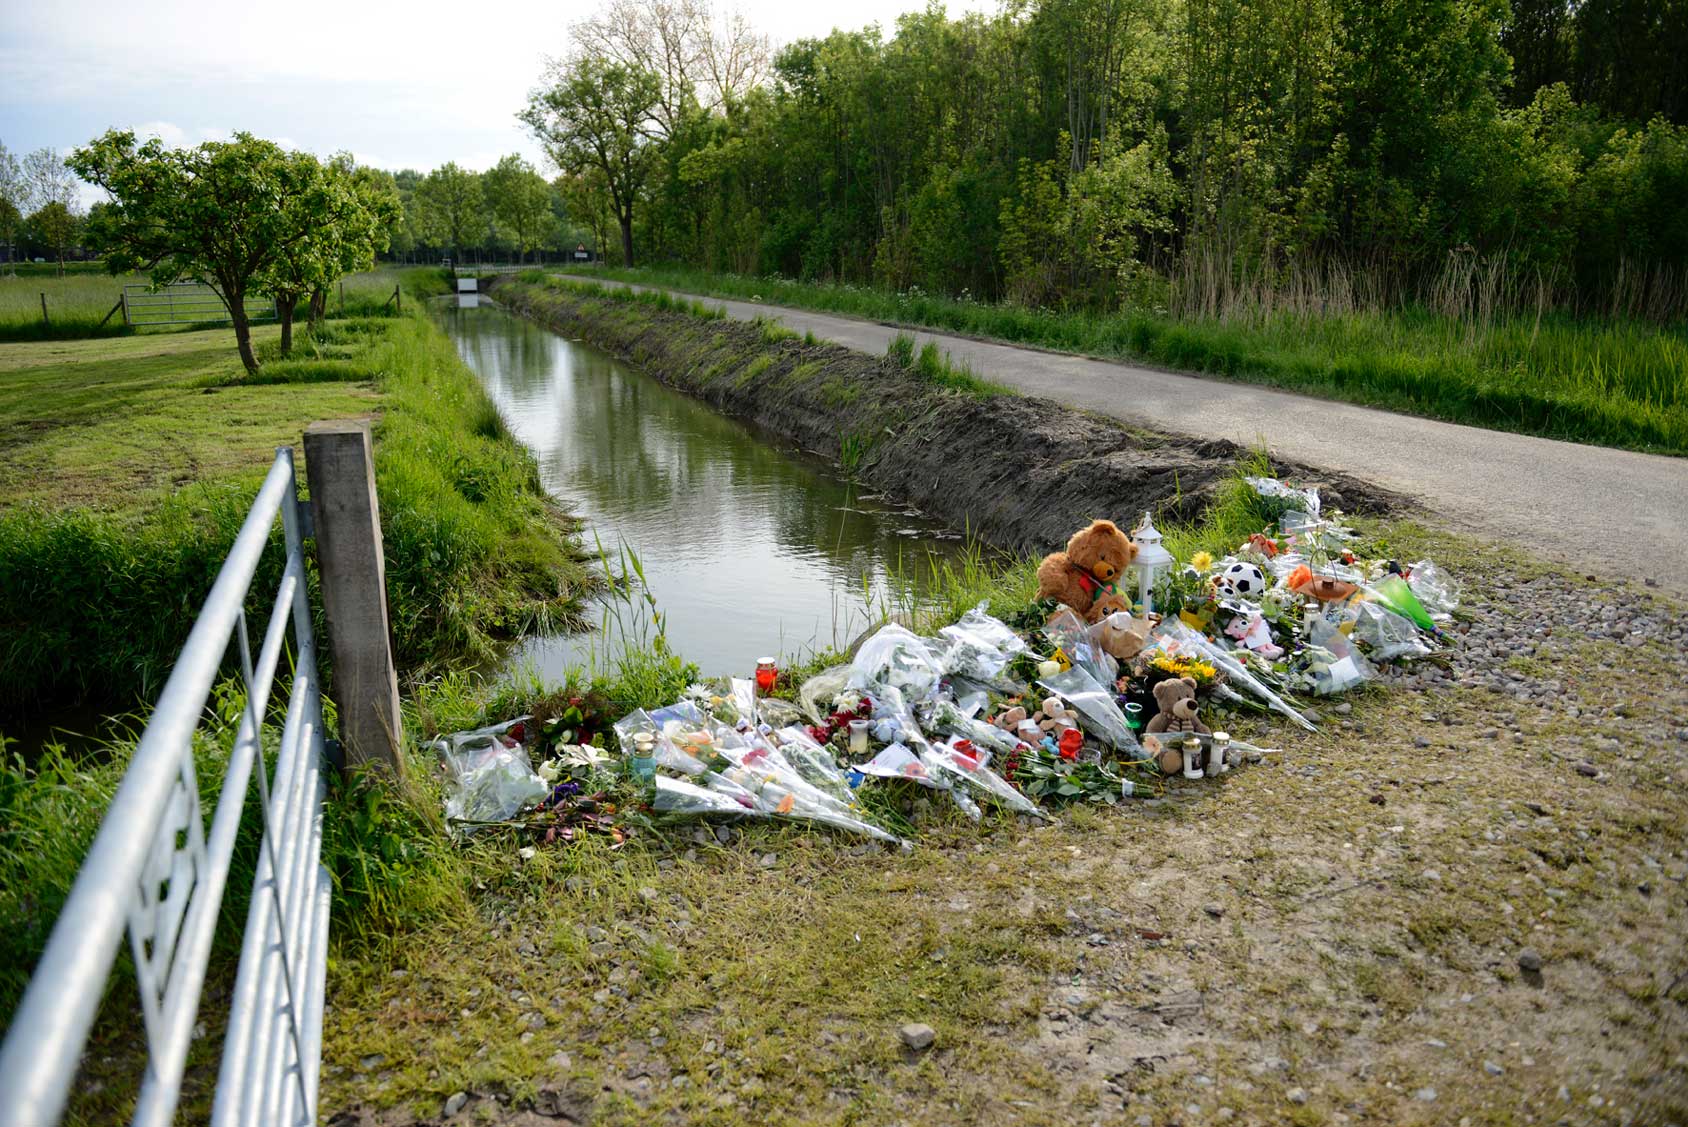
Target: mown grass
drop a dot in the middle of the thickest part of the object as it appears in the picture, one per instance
(126, 467)
(1610, 383)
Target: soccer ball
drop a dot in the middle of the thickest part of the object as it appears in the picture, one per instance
(1242, 580)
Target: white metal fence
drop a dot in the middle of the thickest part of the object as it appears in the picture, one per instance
(186, 303)
(155, 870)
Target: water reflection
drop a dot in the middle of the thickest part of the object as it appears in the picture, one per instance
(749, 550)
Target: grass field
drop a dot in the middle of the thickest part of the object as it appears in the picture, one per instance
(1621, 384)
(127, 464)
(76, 303)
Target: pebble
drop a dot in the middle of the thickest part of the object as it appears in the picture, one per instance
(454, 1103)
(1296, 1095)
(1492, 1068)
(918, 1037)
(1587, 770)
(1214, 910)
(768, 860)
(648, 895)
(1425, 1095)
(372, 1061)
(1529, 960)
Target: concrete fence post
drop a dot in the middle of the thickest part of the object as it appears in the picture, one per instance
(341, 470)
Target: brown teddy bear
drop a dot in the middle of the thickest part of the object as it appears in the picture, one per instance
(1176, 697)
(1095, 557)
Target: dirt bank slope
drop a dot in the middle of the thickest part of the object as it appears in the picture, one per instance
(1019, 472)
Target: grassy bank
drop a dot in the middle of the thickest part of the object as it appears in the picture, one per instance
(1621, 384)
(126, 466)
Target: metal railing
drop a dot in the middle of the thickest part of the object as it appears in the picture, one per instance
(187, 303)
(154, 870)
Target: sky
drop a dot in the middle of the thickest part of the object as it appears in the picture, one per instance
(398, 85)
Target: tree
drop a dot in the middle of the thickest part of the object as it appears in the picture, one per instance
(220, 212)
(451, 207)
(14, 198)
(56, 226)
(586, 203)
(50, 180)
(597, 115)
(701, 59)
(520, 201)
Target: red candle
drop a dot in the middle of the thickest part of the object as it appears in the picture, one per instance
(766, 673)
(1071, 740)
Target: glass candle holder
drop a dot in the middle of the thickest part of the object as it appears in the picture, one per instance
(767, 672)
(1133, 715)
(858, 736)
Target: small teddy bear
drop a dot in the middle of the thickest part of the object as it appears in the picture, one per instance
(1176, 697)
(1251, 632)
(1057, 717)
(1096, 556)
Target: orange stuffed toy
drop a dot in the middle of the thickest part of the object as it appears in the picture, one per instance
(1095, 558)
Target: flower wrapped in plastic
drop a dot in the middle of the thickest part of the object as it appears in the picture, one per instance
(812, 760)
(1174, 637)
(1081, 642)
(779, 792)
(1102, 716)
(1436, 590)
(492, 777)
(895, 658)
(977, 648)
(967, 764)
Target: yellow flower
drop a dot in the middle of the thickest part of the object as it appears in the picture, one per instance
(1201, 561)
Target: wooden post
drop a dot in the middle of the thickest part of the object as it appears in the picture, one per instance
(341, 471)
(44, 318)
(398, 301)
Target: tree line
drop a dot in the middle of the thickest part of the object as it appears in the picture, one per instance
(509, 211)
(40, 206)
(1193, 153)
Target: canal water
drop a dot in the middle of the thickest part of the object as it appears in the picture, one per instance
(748, 549)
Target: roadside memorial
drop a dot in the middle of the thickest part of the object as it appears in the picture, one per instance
(1098, 702)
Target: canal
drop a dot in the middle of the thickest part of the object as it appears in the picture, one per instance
(748, 549)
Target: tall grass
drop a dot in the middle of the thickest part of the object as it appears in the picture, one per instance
(384, 846)
(76, 304)
(1487, 355)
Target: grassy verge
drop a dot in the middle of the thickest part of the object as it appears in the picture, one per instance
(1610, 383)
(127, 465)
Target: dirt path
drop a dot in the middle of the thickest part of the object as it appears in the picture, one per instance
(1614, 513)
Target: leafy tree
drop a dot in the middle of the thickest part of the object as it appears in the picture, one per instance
(598, 115)
(57, 227)
(452, 208)
(14, 198)
(220, 212)
(520, 202)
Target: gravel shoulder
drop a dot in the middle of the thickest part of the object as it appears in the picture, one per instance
(1617, 513)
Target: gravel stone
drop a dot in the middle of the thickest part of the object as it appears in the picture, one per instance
(1529, 960)
(918, 1037)
(454, 1103)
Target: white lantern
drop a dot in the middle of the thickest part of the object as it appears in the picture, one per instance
(1152, 560)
